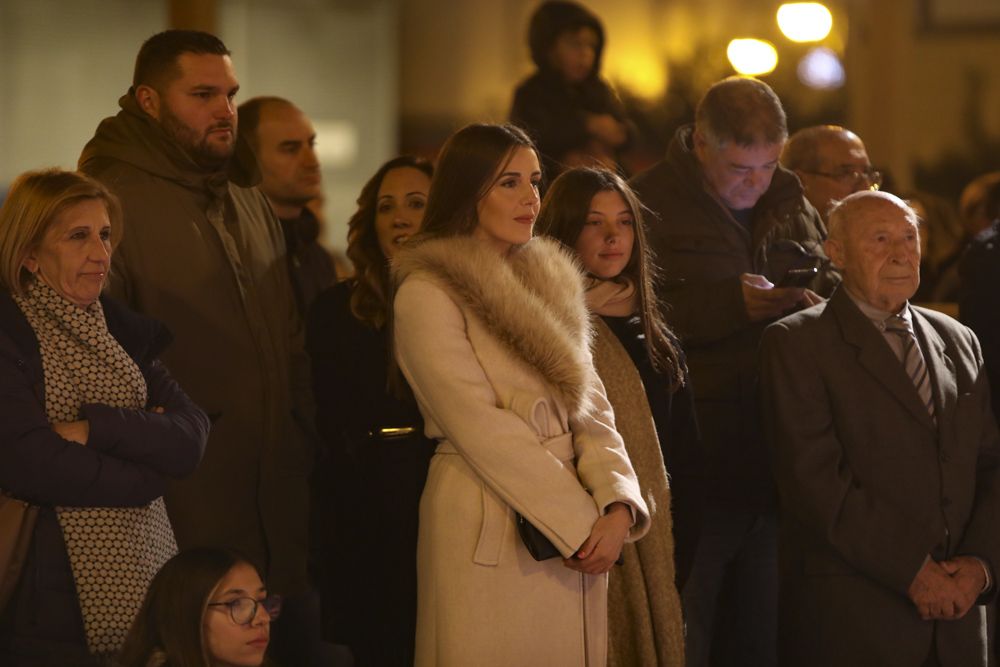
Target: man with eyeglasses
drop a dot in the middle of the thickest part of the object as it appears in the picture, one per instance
(831, 161)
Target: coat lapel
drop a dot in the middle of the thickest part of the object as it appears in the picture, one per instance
(876, 357)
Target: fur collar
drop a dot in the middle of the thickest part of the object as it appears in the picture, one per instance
(532, 301)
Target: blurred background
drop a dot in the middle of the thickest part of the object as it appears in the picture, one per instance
(918, 80)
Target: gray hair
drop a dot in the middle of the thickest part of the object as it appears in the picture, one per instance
(741, 110)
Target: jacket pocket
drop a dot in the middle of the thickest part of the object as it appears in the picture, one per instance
(496, 517)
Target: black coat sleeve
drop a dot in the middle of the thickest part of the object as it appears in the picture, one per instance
(39, 466)
(171, 443)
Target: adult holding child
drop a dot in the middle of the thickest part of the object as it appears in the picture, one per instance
(566, 106)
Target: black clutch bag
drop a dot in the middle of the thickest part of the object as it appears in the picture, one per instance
(537, 544)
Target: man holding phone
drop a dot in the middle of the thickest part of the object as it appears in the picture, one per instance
(732, 224)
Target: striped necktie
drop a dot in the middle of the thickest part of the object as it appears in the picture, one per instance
(913, 361)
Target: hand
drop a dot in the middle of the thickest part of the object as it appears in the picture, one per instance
(600, 551)
(157, 410)
(77, 431)
(935, 593)
(810, 298)
(764, 301)
(606, 128)
(967, 572)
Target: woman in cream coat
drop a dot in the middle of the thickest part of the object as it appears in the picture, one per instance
(492, 333)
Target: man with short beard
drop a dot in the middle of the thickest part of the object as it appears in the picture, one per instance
(204, 253)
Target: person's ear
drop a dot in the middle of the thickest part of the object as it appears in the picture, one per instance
(30, 262)
(835, 251)
(148, 100)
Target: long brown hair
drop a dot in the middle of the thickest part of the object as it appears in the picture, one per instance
(369, 298)
(563, 215)
(466, 170)
(168, 627)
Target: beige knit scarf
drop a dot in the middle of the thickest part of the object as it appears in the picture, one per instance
(611, 298)
(114, 552)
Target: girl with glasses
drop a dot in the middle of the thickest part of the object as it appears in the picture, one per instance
(206, 607)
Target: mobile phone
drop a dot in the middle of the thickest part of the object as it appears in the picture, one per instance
(797, 277)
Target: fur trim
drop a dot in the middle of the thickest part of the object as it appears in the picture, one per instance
(532, 302)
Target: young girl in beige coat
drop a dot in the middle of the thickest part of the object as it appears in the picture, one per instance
(492, 333)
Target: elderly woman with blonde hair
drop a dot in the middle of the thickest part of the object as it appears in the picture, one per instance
(91, 427)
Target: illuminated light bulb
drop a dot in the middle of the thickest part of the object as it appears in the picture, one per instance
(821, 69)
(804, 21)
(752, 57)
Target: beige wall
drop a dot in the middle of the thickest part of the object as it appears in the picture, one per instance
(910, 88)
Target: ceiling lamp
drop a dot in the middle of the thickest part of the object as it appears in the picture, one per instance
(752, 57)
(821, 69)
(804, 21)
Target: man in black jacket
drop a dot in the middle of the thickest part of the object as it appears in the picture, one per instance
(730, 225)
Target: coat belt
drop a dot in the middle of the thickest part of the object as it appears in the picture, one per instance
(498, 516)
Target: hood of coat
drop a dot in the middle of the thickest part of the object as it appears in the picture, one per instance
(532, 302)
(134, 137)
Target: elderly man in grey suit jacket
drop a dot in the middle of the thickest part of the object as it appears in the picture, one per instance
(887, 459)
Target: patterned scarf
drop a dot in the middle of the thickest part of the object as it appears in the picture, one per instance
(611, 298)
(114, 552)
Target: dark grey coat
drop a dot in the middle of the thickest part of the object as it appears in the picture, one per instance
(870, 486)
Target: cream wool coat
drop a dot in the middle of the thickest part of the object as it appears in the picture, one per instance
(497, 354)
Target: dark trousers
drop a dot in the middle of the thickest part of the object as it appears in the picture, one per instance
(730, 599)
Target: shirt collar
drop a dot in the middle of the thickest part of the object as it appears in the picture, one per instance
(879, 316)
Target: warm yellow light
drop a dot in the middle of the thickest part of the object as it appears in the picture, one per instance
(804, 21)
(640, 73)
(752, 57)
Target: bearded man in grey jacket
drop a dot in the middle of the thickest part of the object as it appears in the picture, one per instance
(205, 254)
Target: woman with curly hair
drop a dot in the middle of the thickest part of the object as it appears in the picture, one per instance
(376, 456)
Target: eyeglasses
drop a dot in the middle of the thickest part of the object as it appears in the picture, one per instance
(244, 610)
(871, 175)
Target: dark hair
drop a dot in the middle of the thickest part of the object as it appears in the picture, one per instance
(371, 268)
(249, 113)
(552, 19)
(168, 626)
(466, 169)
(156, 65)
(741, 110)
(563, 215)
